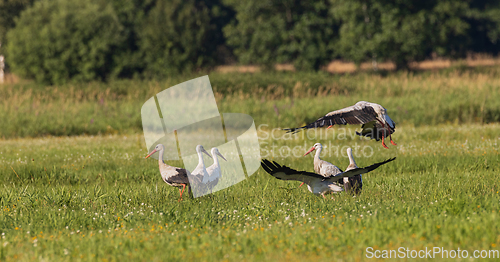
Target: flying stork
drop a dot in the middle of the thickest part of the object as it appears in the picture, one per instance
(173, 176)
(317, 184)
(375, 122)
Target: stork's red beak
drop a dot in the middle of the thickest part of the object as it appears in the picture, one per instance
(152, 152)
(310, 150)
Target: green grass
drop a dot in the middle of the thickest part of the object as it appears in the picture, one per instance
(278, 99)
(93, 197)
(97, 198)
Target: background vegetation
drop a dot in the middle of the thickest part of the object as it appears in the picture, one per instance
(280, 99)
(75, 184)
(56, 41)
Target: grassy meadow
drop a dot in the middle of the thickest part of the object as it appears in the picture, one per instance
(75, 184)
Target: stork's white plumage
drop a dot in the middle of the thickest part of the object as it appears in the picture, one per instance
(352, 184)
(375, 122)
(200, 172)
(173, 176)
(317, 184)
(214, 170)
(322, 167)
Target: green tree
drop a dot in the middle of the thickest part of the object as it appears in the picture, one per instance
(58, 40)
(282, 31)
(410, 30)
(181, 35)
(10, 9)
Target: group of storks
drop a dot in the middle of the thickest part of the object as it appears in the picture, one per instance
(327, 178)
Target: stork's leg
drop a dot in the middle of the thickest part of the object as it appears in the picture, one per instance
(183, 187)
(383, 134)
(392, 142)
(329, 127)
(383, 143)
(301, 184)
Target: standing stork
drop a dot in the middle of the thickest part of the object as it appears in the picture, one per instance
(171, 175)
(322, 167)
(200, 172)
(214, 170)
(375, 122)
(352, 184)
(317, 184)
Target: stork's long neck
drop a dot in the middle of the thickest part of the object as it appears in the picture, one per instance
(160, 158)
(318, 153)
(200, 160)
(352, 163)
(216, 160)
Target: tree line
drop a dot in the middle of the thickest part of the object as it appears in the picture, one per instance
(55, 41)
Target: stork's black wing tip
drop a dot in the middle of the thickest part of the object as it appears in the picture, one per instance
(266, 165)
(390, 159)
(293, 130)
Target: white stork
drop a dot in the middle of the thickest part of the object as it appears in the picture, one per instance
(214, 170)
(200, 172)
(375, 122)
(352, 184)
(322, 167)
(317, 184)
(173, 176)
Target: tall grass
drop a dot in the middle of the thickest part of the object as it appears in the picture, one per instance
(278, 99)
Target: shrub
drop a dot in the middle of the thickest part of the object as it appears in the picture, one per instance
(58, 40)
(269, 32)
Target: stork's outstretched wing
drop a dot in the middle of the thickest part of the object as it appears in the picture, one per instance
(285, 173)
(358, 171)
(360, 113)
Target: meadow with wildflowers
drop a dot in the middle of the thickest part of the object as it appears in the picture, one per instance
(92, 196)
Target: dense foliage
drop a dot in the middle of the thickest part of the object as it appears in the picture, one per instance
(406, 30)
(9, 9)
(269, 32)
(59, 40)
(55, 41)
